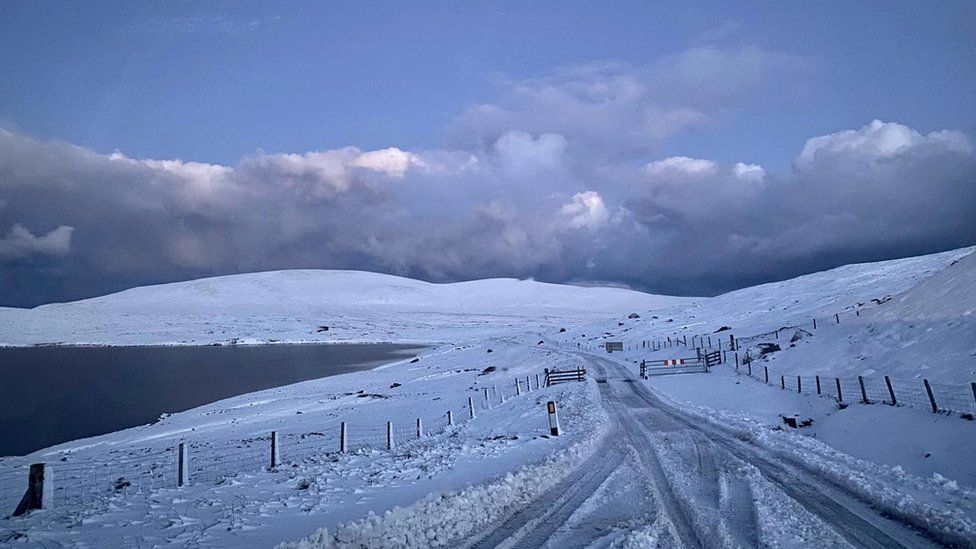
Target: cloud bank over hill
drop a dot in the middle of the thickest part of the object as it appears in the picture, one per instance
(560, 179)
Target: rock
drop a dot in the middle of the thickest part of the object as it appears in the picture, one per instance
(722, 329)
(322, 329)
(487, 370)
(490, 351)
(800, 334)
(633, 315)
(561, 330)
(416, 360)
(395, 385)
(540, 342)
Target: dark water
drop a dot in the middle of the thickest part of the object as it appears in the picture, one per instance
(50, 395)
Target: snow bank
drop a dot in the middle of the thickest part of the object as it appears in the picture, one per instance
(441, 520)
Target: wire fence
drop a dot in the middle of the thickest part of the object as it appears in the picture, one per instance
(917, 393)
(95, 482)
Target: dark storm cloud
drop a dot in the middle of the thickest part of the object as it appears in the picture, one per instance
(558, 180)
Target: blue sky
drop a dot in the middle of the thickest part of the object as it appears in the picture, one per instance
(451, 140)
(214, 82)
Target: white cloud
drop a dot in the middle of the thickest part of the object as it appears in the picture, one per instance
(682, 166)
(586, 210)
(521, 154)
(753, 173)
(877, 140)
(20, 242)
(392, 161)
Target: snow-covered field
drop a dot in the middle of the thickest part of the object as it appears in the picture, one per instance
(679, 460)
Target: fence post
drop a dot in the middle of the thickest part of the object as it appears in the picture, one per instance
(450, 418)
(973, 385)
(709, 341)
(837, 317)
(537, 384)
(814, 323)
(782, 382)
(275, 450)
(528, 384)
(420, 428)
(777, 333)
(840, 397)
(389, 434)
(553, 419)
(183, 466)
(766, 370)
(470, 408)
(40, 490)
(928, 389)
(487, 400)
(736, 362)
(891, 391)
(749, 366)
(864, 394)
(518, 388)
(732, 346)
(798, 387)
(818, 384)
(342, 437)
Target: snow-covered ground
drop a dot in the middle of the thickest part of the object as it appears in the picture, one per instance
(707, 456)
(295, 306)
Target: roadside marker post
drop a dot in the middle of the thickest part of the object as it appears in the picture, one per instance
(389, 434)
(553, 419)
(183, 466)
(342, 437)
(275, 450)
(470, 408)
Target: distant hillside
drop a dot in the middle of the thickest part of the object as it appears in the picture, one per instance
(296, 305)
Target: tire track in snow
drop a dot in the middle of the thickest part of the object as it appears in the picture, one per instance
(853, 519)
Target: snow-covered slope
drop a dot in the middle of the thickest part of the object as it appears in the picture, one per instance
(293, 305)
(947, 294)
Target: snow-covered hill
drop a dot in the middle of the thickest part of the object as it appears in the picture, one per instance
(294, 305)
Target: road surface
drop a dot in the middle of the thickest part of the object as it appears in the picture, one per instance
(667, 479)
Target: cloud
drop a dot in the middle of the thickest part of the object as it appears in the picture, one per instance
(586, 210)
(878, 141)
(20, 242)
(621, 110)
(677, 167)
(559, 178)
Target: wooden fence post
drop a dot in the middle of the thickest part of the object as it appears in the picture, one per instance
(891, 391)
(537, 384)
(183, 466)
(814, 323)
(487, 400)
(528, 384)
(973, 385)
(928, 389)
(818, 384)
(420, 428)
(470, 408)
(450, 418)
(782, 382)
(518, 388)
(749, 366)
(840, 397)
(766, 370)
(864, 393)
(837, 317)
(798, 387)
(275, 450)
(342, 437)
(40, 490)
(777, 333)
(389, 434)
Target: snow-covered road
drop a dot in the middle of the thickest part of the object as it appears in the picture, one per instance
(668, 479)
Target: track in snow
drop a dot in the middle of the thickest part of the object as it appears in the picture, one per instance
(688, 484)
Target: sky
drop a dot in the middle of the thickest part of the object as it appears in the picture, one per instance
(682, 148)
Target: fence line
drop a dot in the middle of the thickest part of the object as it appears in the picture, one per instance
(936, 397)
(129, 471)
